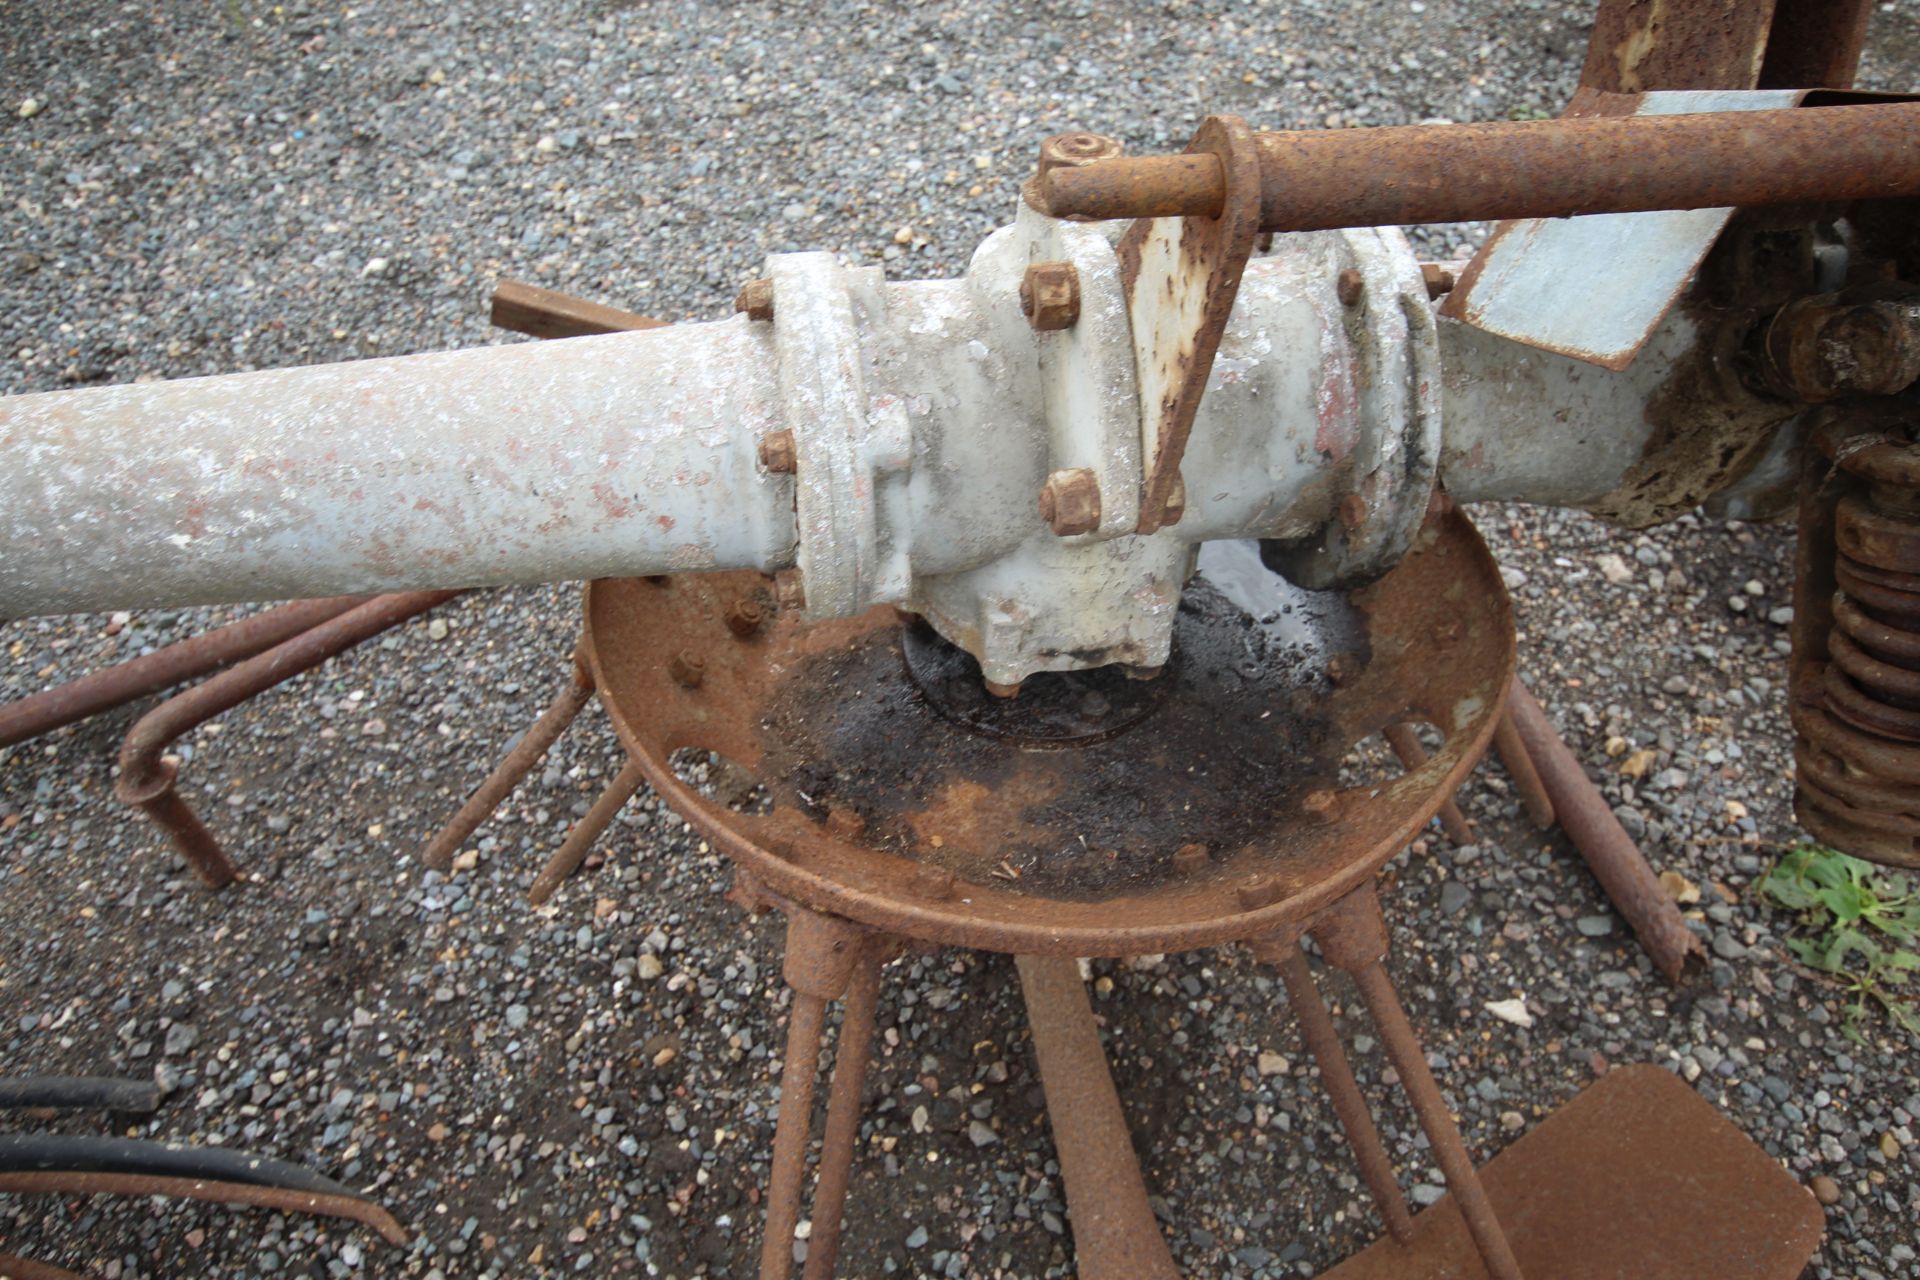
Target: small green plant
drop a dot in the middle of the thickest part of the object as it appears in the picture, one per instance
(1861, 922)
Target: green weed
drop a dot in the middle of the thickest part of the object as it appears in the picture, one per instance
(1860, 924)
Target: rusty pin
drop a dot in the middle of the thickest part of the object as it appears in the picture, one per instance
(756, 299)
(777, 453)
(1070, 502)
(1050, 295)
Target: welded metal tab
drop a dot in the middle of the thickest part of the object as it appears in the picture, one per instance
(1182, 275)
(1595, 288)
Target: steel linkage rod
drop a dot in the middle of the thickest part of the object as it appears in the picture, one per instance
(1314, 180)
(109, 687)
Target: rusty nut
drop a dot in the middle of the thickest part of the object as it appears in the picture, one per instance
(745, 616)
(687, 668)
(1070, 502)
(1072, 150)
(777, 453)
(756, 299)
(1050, 295)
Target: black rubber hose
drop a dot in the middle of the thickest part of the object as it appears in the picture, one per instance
(68, 1093)
(71, 1153)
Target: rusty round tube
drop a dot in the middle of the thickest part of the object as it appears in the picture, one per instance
(1406, 745)
(566, 705)
(1313, 180)
(586, 832)
(147, 779)
(1609, 851)
(18, 1268)
(1336, 1077)
(1423, 1092)
(283, 1199)
(109, 687)
(790, 1134)
(852, 1048)
(1519, 766)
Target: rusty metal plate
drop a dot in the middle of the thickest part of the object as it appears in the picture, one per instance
(1181, 276)
(1092, 815)
(1677, 44)
(1638, 1178)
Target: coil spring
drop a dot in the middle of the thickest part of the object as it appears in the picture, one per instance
(1857, 744)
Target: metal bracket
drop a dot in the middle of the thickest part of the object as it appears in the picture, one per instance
(1181, 277)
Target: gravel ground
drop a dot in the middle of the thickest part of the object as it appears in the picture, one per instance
(194, 188)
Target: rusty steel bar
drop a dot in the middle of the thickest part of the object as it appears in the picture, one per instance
(852, 1048)
(1353, 936)
(109, 687)
(1519, 766)
(1815, 44)
(567, 704)
(282, 1199)
(544, 313)
(18, 1268)
(1336, 1077)
(1615, 860)
(1405, 742)
(1115, 1234)
(586, 832)
(147, 778)
(791, 1132)
(1321, 179)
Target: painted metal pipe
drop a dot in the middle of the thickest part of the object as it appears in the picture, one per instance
(1314, 180)
(626, 453)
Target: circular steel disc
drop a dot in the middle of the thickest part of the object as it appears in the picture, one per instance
(1092, 815)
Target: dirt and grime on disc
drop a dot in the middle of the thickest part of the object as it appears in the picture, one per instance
(1088, 783)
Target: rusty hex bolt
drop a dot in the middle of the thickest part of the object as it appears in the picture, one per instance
(790, 589)
(687, 668)
(756, 299)
(1070, 502)
(1438, 279)
(1050, 295)
(1351, 286)
(777, 453)
(1072, 150)
(1189, 858)
(1321, 806)
(745, 616)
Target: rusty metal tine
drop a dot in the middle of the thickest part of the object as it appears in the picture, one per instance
(567, 704)
(791, 1133)
(852, 1048)
(1115, 1235)
(1406, 745)
(544, 313)
(284, 1199)
(1615, 860)
(1463, 1181)
(147, 778)
(586, 832)
(109, 687)
(1519, 766)
(17, 1268)
(1336, 1077)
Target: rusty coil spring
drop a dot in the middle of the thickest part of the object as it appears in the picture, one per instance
(1858, 738)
